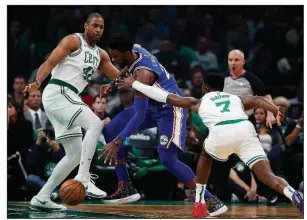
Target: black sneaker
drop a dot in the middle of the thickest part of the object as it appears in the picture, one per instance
(215, 206)
(125, 193)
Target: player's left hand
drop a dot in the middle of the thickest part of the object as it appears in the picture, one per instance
(125, 82)
(270, 120)
(110, 152)
(31, 87)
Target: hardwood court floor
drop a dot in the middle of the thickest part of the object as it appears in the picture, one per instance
(150, 209)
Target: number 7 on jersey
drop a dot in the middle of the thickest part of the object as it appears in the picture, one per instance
(225, 104)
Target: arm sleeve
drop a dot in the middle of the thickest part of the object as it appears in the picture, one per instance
(140, 107)
(257, 85)
(150, 91)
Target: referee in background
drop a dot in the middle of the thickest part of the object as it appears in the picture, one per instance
(240, 82)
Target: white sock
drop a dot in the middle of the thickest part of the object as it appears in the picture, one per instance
(89, 147)
(72, 148)
(200, 192)
(288, 191)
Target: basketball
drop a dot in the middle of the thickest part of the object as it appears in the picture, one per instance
(72, 192)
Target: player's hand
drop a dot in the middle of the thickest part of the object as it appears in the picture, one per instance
(251, 195)
(280, 115)
(104, 89)
(125, 82)
(110, 152)
(270, 120)
(31, 87)
(124, 72)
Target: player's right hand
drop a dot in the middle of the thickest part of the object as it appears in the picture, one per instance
(31, 87)
(125, 82)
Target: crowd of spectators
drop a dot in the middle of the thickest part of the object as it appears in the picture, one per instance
(190, 42)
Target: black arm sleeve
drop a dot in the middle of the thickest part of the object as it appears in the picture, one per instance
(257, 85)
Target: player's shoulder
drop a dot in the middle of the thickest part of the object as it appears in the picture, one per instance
(103, 53)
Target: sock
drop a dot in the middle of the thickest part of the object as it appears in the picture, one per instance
(122, 173)
(72, 148)
(89, 147)
(200, 191)
(288, 191)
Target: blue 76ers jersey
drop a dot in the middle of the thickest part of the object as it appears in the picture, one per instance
(164, 81)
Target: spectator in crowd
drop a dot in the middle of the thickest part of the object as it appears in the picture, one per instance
(126, 97)
(240, 82)
(146, 37)
(242, 184)
(270, 139)
(285, 103)
(172, 61)
(18, 86)
(294, 156)
(296, 109)
(99, 107)
(197, 82)
(41, 160)
(20, 131)
(35, 114)
(205, 57)
(19, 139)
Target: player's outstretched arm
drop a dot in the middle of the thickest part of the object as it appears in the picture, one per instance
(158, 94)
(67, 45)
(106, 65)
(251, 102)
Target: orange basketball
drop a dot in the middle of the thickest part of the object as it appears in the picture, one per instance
(72, 192)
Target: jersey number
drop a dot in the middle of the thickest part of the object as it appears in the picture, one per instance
(87, 73)
(164, 70)
(225, 104)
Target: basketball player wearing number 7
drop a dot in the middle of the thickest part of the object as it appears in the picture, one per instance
(229, 132)
(72, 64)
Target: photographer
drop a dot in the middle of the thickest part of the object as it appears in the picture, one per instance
(41, 160)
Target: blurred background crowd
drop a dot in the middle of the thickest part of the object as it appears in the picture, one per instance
(190, 42)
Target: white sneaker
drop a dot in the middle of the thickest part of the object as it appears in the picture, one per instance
(91, 190)
(45, 205)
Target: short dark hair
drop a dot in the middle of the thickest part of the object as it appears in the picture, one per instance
(21, 77)
(92, 15)
(98, 96)
(121, 41)
(18, 107)
(215, 81)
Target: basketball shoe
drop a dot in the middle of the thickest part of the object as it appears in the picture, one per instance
(199, 210)
(45, 205)
(298, 201)
(215, 206)
(125, 193)
(91, 190)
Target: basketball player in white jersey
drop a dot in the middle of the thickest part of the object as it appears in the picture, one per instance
(72, 64)
(230, 132)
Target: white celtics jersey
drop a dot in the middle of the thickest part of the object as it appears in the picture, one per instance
(216, 107)
(78, 67)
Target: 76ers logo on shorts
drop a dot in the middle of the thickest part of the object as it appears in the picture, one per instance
(163, 139)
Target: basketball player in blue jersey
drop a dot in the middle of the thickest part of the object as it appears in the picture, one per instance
(147, 113)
